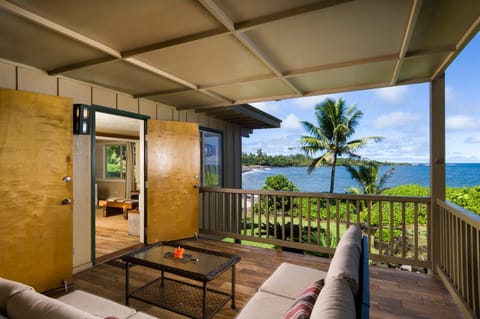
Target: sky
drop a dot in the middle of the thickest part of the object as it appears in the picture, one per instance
(399, 114)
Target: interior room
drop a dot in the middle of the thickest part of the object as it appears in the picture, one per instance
(117, 222)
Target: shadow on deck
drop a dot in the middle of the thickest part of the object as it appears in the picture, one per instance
(394, 293)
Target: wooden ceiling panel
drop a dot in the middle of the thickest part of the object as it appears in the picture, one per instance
(186, 100)
(421, 67)
(332, 36)
(346, 79)
(27, 43)
(215, 60)
(256, 90)
(126, 24)
(247, 10)
(442, 23)
(125, 77)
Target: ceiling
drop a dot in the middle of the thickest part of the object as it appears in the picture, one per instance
(207, 54)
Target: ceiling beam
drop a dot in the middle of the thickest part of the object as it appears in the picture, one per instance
(338, 65)
(161, 73)
(228, 23)
(249, 24)
(174, 42)
(81, 65)
(412, 20)
(12, 8)
(160, 93)
(466, 37)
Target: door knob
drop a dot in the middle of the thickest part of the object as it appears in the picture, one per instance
(66, 179)
(66, 201)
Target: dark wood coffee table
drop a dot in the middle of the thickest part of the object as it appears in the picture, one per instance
(192, 300)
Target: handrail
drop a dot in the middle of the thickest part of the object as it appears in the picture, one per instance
(459, 260)
(397, 226)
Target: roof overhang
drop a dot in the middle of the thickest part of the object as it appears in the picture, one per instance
(205, 54)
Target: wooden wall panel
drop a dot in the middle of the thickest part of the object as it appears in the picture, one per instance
(148, 108)
(8, 77)
(104, 97)
(127, 103)
(81, 93)
(36, 81)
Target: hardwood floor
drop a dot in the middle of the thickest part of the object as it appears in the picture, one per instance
(394, 293)
(112, 236)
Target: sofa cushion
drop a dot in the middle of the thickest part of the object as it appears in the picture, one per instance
(141, 315)
(303, 305)
(96, 305)
(346, 260)
(280, 282)
(264, 305)
(8, 289)
(335, 301)
(30, 304)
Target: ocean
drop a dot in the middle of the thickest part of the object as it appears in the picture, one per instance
(457, 175)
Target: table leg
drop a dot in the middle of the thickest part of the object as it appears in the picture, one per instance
(233, 287)
(204, 304)
(126, 282)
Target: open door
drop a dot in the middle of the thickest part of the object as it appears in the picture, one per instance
(173, 167)
(35, 188)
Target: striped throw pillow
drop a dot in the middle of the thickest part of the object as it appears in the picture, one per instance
(303, 305)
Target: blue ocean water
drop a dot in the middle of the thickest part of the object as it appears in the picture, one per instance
(457, 175)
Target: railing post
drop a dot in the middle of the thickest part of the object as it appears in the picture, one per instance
(437, 166)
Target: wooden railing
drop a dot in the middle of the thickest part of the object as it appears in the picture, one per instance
(459, 255)
(397, 227)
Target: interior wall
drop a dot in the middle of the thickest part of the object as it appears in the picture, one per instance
(20, 77)
(106, 188)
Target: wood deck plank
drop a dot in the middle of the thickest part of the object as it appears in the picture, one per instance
(394, 293)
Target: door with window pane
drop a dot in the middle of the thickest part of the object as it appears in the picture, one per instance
(211, 148)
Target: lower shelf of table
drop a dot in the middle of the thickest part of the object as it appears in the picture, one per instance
(180, 297)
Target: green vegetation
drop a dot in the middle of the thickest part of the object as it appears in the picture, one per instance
(298, 160)
(263, 159)
(336, 125)
(396, 227)
(367, 176)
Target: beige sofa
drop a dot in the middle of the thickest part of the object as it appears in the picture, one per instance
(294, 291)
(19, 301)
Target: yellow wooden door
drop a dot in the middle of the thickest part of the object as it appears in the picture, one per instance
(35, 155)
(173, 166)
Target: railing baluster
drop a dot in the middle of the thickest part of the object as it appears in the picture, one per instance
(415, 229)
(404, 232)
(327, 211)
(337, 221)
(392, 219)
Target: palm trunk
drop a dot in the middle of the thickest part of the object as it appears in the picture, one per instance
(332, 176)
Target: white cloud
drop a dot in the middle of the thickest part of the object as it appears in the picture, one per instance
(271, 107)
(291, 122)
(475, 139)
(394, 119)
(460, 123)
(450, 94)
(393, 94)
(310, 102)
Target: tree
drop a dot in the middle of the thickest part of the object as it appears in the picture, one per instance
(280, 183)
(336, 124)
(367, 176)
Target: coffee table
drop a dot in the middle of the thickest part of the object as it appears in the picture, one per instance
(187, 298)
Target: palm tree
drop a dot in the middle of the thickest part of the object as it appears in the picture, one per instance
(336, 124)
(367, 176)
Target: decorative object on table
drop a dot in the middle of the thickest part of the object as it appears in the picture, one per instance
(178, 252)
